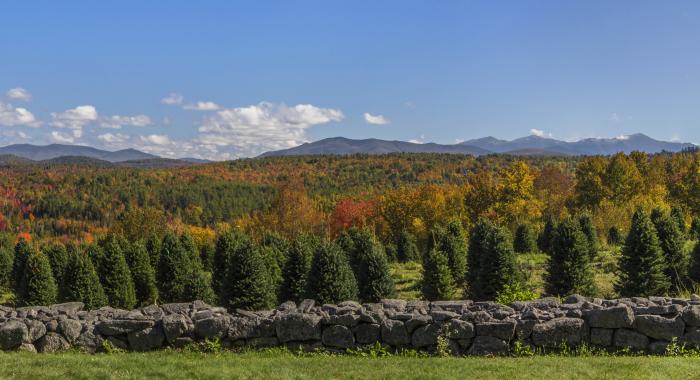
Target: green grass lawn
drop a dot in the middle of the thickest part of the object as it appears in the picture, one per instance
(275, 365)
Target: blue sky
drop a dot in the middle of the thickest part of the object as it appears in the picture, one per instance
(242, 77)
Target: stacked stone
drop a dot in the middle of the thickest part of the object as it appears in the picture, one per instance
(469, 328)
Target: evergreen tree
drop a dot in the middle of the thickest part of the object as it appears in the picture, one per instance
(544, 240)
(694, 271)
(225, 245)
(614, 236)
(452, 240)
(272, 268)
(695, 229)
(247, 283)
(671, 242)
(331, 279)
(142, 274)
(591, 235)
(477, 250)
(81, 282)
(37, 286)
(491, 251)
(373, 278)
(524, 239)
(642, 262)
(115, 276)
(174, 268)
(347, 242)
(22, 249)
(207, 252)
(297, 267)
(569, 269)
(153, 246)
(58, 259)
(678, 217)
(277, 246)
(390, 251)
(438, 281)
(406, 248)
(6, 257)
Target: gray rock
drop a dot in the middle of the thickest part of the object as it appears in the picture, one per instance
(52, 326)
(658, 327)
(118, 342)
(367, 333)
(394, 333)
(67, 308)
(488, 345)
(27, 347)
(174, 326)
(13, 334)
(35, 330)
(338, 336)
(298, 327)
(691, 315)
(630, 339)
(71, 329)
(523, 328)
(147, 339)
(615, 317)
(347, 320)
(122, 326)
(691, 337)
(601, 337)
(425, 336)
(210, 328)
(305, 306)
(457, 306)
(89, 341)
(458, 329)
(263, 342)
(398, 306)
(243, 328)
(558, 331)
(176, 308)
(501, 330)
(416, 321)
(52, 342)
(658, 347)
(441, 315)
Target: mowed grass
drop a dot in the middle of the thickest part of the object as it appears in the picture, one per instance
(275, 365)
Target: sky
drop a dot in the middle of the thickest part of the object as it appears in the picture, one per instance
(229, 79)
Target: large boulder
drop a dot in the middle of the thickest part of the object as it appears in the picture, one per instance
(501, 330)
(52, 342)
(123, 326)
(69, 308)
(71, 329)
(458, 329)
(394, 333)
(12, 334)
(147, 339)
(601, 337)
(425, 336)
(89, 340)
(626, 338)
(35, 330)
(658, 327)
(488, 345)
(298, 327)
(243, 328)
(691, 315)
(620, 316)
(210, 328)
(367, 333)
(337, 336)
(558, 331)
(174, 326)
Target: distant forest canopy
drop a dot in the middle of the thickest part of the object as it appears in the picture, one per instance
(388, 194)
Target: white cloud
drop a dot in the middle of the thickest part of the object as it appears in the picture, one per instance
(11, 116)
(173, 99)
(110, 138)
(156, 139)
(420, 140)
(202, 106)
(537, 132)
(622, 137)
(116, 121)
(19, 93)
(254, 129)
(75, 118)
(61, 138)
(375, 119)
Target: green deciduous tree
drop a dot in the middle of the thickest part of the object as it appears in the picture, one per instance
(569, 269)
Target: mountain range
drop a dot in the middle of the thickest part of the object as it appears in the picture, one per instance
(530, 145)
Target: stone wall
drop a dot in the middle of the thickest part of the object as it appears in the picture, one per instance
(475, 328)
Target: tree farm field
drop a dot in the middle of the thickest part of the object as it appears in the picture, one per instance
(280, 365)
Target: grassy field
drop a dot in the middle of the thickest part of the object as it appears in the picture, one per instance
(275, 365)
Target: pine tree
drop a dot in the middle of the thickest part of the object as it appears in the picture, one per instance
(174, 268)
(247, 283)
(695, 229)
(569, 269)
(614, 236)
(153, 244)
(524, 239)
(694, 271)
(6, 257)
(115, 276)
(492, 264)
(437, 282)
(477, 250)
(274, 272)
(297, 267)
(37, 286)
(58, 259)
(373, 278)
(225, 245)
(678, 217)
(544, 240)
(406, 248)
(452, 240)
(81, 282)
(347, 243)
(22, 249)
(142, 274)
(671, 242)
(588, 229)
(331, 279)
(642, 262)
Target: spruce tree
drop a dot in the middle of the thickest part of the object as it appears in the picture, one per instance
(373, 278)
(477, 250)
(247, 283)
(544, 240)
(588, 229)
(672, 243)
(695, 229)
(406, 248)
(81, 282)
(678, 217)
(174, 267)
(642, 262)
(297, 267)
(58, 259)
(437, 282)
(37, 286)
(524, 239)
(694, 270)
(142, 274)
(452, 240)
(492, 264)
(153, 246)
(116, 277)
(272, 268)
(226, 243)
(614, 236)
(22, 249)
(6, 257)
(331, 279)
(569, 269)
(347, 243)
